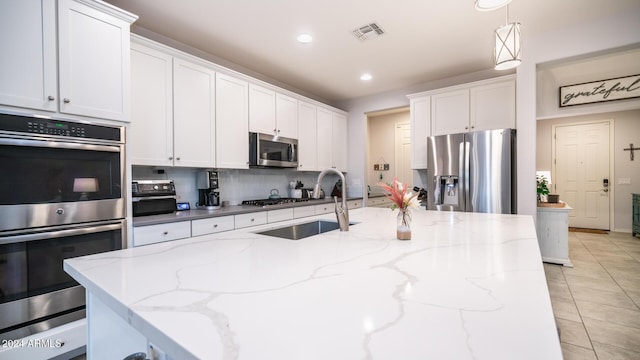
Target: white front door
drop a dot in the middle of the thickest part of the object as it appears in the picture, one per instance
(581, 171)
(403, 154)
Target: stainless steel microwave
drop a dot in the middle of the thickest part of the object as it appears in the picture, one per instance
(272, 151)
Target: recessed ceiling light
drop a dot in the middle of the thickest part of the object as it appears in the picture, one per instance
(366, 77)
(304, 38)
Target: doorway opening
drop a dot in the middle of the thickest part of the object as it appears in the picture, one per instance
(388, 148)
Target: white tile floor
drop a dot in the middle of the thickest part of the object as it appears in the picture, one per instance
(597, 302)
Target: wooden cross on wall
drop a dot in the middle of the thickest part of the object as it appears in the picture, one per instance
(631, 149)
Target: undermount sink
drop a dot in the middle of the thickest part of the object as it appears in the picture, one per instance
(301, 231)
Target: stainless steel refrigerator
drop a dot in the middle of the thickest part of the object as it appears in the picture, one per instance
(473, 172)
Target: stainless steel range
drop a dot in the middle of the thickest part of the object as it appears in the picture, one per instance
(61, 196)
(269, 202)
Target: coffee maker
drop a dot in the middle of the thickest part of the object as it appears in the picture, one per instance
(208, 193)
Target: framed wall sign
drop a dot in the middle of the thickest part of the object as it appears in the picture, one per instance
(599, 91)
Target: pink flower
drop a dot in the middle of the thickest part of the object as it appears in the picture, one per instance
(397, 192)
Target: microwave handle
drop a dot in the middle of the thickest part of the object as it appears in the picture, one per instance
(292, 153)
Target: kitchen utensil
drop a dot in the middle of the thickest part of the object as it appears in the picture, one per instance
(275, 194)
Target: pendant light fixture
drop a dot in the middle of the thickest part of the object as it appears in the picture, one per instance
(507, 53)
(488, 5)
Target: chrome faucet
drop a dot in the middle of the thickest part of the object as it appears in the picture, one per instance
(342, 212)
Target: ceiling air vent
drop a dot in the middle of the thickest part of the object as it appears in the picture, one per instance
(368, 31)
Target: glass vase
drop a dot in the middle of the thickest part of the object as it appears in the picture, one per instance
(403, 230)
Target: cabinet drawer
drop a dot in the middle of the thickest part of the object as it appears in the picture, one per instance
(279, 215)
(304, 211)
(325, 208)
(354, 204)
(251, 219)
(212, 225)
(144, 235)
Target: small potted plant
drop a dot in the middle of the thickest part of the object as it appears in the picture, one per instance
(542, 188)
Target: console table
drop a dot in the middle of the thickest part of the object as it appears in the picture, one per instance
(553, 234)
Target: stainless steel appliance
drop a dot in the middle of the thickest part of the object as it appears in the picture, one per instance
(208, 192)
(270, 202)
(153, 197)
(472, 172)
(61, 196)
(272, 151)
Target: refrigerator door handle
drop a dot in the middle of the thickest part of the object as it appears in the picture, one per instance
(437, 193)
(466, 173)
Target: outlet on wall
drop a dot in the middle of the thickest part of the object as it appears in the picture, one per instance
(624, 181)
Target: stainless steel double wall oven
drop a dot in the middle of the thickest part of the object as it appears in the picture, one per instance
(61, 195)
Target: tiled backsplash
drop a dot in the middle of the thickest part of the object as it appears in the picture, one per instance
(238, 185)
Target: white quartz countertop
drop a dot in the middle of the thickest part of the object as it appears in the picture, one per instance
(467, 286)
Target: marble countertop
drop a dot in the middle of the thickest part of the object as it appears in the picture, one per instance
(467, 286)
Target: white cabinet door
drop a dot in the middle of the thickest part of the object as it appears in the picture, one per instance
(193, 114)
(250, 219)
(286, 116)
(324, 126)
(150, 136)
(262, 110)
(232, 123)
(493, 106)
(28, 61)
(307, 142)
(145, 235)
(93, 51)
(450, 112)
(421, 129)
(304, 211)
(339, 132)
(212, 225)
(279, 215)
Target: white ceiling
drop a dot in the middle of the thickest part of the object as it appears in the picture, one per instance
(425, 40)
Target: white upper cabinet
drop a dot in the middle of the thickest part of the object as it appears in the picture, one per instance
(286, 116)
(482, 105)
(272, 113)
(232, 122)
(150, 136)
(420, 108)
(28, 31)
(307, 137)
(450, 112)
(193, 114)
(262, 110)
(339, 142)
(324, 126)
(89, 77)
(493, 106)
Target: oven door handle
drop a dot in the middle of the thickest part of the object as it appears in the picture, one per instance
(60, 233)
(58, 145)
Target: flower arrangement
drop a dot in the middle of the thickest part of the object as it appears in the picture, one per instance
(398, 194)
(402, 200)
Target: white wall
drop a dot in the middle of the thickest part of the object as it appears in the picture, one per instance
(594, 37)
(626, 129)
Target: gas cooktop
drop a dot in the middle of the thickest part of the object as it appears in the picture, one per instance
(267, 202)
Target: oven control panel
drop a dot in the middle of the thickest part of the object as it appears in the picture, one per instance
(54, 127)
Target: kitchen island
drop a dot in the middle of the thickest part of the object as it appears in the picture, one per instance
(467, 286)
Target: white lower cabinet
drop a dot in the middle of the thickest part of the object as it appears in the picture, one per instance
(304, 211)
(325, 208)
(279, 215)
(251, 219)
(381, 202)
(145, 235)
(212, 225)
(354, 204)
